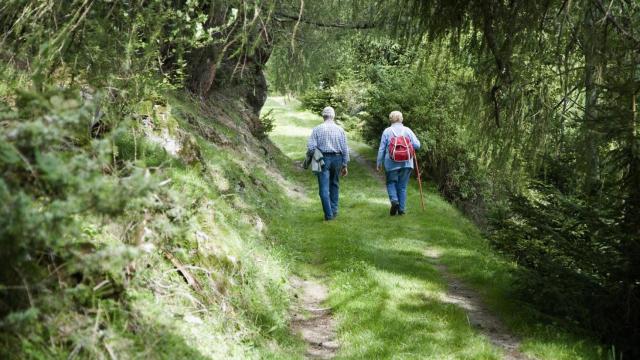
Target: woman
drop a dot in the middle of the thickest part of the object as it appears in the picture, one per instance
(397, 172)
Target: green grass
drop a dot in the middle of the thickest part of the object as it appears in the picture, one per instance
(384, 293)
(207, 222)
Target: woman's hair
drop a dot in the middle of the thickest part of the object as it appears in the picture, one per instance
(395, 116)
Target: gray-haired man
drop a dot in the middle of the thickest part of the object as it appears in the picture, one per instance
(331, 140)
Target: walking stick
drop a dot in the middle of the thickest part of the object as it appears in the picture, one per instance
(415, 160)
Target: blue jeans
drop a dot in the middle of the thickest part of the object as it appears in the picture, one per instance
(397, 181)
(329, 184)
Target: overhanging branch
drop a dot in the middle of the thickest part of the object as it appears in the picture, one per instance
(616, 24)
(280, 17)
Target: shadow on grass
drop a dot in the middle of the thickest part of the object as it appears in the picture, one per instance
(166, 345)
(383, 289)
(386, 313)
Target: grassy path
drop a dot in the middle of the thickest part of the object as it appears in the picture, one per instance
(388, 299)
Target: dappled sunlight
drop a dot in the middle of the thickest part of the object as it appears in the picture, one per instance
(378, 201)
(292, 131)
(282, 100)
(389, 299)
(157, 203)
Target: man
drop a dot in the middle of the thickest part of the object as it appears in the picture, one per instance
(331, 140)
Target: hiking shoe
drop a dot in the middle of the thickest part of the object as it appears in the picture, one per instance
(394, 208)
(400, 212)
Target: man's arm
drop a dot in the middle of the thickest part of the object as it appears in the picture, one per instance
(344, 149)
(312, 143)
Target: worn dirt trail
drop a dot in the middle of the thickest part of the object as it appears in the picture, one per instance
(317, 326)
(314, 322)
(466, 298)
(477, 312)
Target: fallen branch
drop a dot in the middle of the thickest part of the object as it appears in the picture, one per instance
(192, 281)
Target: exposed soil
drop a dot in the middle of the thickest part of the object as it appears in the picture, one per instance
(312, 321)
(466, 298)
(478, 314)
(367, 164)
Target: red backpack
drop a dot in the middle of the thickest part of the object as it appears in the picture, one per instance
(400, 148)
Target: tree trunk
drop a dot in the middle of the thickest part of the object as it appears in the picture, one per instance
(632, 211)
(590, 154)
(203, 72)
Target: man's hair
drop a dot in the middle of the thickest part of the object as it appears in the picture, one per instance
(328, 113)
(395, 116)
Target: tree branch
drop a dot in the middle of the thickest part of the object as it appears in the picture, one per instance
(280, 17)
(614, 21)
(295, 27)
(499, 52)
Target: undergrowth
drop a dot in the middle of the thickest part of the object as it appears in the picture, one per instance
(115, 245)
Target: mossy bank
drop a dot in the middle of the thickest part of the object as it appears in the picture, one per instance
(148, 241)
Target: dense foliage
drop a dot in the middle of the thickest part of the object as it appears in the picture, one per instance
(529, 113)
(105, 192)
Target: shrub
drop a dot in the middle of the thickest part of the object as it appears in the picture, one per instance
(573, 260)
(265, 125)
(57, 183)
(436, 119)
(347, 96)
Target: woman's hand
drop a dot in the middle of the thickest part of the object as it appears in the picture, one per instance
(378, 167)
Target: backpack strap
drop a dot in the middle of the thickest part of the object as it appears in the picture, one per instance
(394, 133)
(404, 137)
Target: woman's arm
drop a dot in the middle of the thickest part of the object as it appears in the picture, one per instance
(414, 140)
(381, 150)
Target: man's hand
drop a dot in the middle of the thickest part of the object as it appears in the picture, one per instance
(378, 168)
(344, 170)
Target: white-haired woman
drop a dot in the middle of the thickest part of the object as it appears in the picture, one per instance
(397, 171)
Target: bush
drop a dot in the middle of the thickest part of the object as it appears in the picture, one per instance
(266, 124)
(435, 118)
(86, 226)
(347, 96)
(57, 183)
(316, 99)
(573, 259)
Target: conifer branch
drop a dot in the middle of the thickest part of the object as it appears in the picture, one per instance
(610, 18)
(282, 18)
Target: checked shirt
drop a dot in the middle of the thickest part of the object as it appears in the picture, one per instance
(329, 138)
